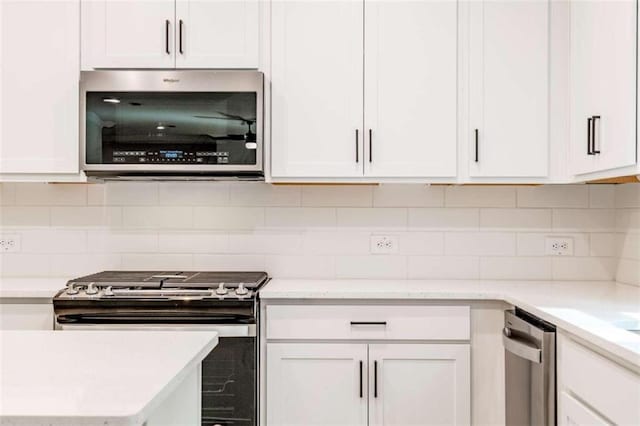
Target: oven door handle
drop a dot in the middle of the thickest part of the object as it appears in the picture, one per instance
(223, 330)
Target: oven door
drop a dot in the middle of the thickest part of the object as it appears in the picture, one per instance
(172, 122)
(229, 372)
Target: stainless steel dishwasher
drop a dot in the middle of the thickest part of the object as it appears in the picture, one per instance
(530, 362)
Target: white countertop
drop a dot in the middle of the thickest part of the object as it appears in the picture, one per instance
(587, 309)
(93, 377)
(31, 288)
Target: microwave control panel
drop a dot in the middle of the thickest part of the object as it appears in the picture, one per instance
(170, 157)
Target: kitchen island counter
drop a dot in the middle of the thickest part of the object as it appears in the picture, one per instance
(90, 378)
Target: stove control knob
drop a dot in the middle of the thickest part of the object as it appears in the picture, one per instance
(221, 290)
(91, 289)
(108, 291)
(72, 289)
(241, 290)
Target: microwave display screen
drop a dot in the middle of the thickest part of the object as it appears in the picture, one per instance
(147, 128)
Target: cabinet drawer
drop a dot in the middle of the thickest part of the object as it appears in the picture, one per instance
(573, 412)
(368, 322)
(609, 388)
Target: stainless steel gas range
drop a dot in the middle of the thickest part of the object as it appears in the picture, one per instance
(226, 302)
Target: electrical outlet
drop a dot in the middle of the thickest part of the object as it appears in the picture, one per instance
(9, 243)
(559, 246)
(384, 244)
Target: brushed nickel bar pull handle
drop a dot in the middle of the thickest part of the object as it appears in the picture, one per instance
(370, 145)
(369, 323)
(361, 393)
(375, 379)
(477, 148)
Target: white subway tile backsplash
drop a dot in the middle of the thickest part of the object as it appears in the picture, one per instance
(372, 217)
(157, 261)
(601, 196)
(421, 243)
(584, 268)
(627, 195)
(480, 244)
(444, 218)
(377, 267)
(260, 194)
(515, 268)
(265, 243)
(306, 266)
(337, 196)
(554, 196)
(443, 267)
(131, 193)
(304, 217)
(46, 194)
(47, 240)
(583, 219)
(90, 216)
(443, 232)
(628, 271)
(533, 244)
(118, 241)
(480, 196)
(515, 219)
(166, 217)
(193, 242)
(397, 195)
(193, 193)
(336, 243)
(25, 216)
(228, 218)
(229, 262)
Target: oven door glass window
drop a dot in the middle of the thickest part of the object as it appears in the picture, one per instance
(229, 383)
(200, 128)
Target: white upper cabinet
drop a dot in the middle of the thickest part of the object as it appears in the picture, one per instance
(603, 85)
(316, 82)
(217, 33)
(319, 384)
(410, 99)
(509, 88)
(419, 384)
(128, 34)
(39, 73)
(170, 34)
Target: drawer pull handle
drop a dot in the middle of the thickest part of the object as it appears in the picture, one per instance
(383, 323)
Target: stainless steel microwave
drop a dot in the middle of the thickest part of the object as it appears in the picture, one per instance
(172, 124)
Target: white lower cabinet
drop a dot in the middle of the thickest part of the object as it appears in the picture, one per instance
(316, 383)
(26, 316)
(594, 390)
(419, 384)
(391, 372)
(575, 413)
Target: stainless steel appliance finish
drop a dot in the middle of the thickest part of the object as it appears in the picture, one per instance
(530, 362)
(176, 109)
(225, 302)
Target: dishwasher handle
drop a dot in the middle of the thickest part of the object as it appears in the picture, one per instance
(520, 347)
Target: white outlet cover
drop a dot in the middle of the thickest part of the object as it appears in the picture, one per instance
(9, 243)
(558, 246)
(384, 244)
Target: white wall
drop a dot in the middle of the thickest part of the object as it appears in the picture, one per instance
(319, 231)
(628, 233)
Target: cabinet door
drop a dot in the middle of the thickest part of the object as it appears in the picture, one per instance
(128, 34)
(423, 384)
(410, 111)
(19, 316)
(509, 88)
(574, 413)
(39, 73)
(217, 33)
(603, 83)
(316, 384)
(316, 83)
